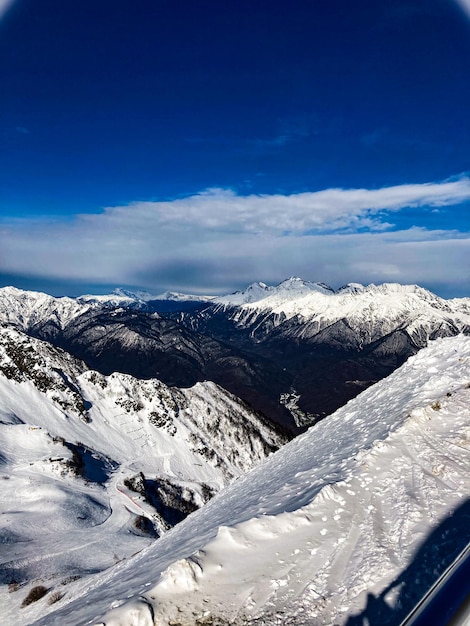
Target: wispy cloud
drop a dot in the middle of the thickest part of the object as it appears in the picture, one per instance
(222, 211)
(217, 240)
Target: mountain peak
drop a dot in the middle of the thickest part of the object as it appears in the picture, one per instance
(297, 284)
(351, 288)
(134, 295)
(253, 293)
(292, 287)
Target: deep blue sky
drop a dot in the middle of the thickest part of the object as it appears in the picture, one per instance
(105, 104)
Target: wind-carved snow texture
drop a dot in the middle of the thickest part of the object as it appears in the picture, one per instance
(352, 521)
(93, 468)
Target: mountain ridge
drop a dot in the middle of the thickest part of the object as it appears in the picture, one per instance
(329, 528)
(297, 340)
(109, 462)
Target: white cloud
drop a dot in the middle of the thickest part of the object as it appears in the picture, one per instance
(327, 210)
(217, 241)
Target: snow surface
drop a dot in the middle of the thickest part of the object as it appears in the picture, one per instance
(123, 297)
(260, 293)
(24, 309)
(326, 526)
(56, 523)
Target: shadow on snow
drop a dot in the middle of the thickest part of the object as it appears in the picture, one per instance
(431, 560)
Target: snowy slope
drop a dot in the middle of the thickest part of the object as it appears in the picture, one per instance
(24, 309)
(334, 527)
(263, 296)
(136, 299)
(93, 468)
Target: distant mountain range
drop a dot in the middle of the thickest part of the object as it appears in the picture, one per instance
(296, 351)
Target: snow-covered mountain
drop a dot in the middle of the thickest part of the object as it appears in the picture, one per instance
(94, 467)
(183, 297)
(330, 345)
(143, 299)
(296, 351)
(371, 312)
(348, 524)
(386, 306)
(26, 309)
(141, 343)
(290, 289)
